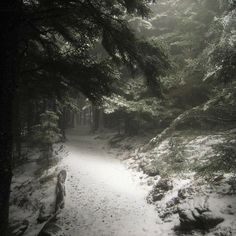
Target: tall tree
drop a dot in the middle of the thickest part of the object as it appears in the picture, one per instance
(8, 66)
(46, 48)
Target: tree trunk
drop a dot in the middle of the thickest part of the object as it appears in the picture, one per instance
(8, 66)
(95, 119)
(80, 117)
(91, 118)
(30, 115)
(17, 127)
(84, 117)
(131, 125)
(127, 125)
(60, 191)
(101, 124)
(72, 119)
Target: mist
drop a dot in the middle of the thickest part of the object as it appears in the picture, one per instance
(118, 118)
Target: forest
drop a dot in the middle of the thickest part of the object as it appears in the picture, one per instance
(118, 117)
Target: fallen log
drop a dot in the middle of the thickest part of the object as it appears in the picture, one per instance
(60, 190)
(51, 227)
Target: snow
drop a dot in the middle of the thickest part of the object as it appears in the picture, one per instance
(27, 193)
(107, 196)
(104, 197)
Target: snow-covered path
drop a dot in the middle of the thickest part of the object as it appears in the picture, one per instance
(103, 197)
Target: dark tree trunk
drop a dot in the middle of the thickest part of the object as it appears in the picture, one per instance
(8, 66)
(131, 126)
(95, 119)
(101, 124)
(80, 117)
(119, 122)
(37, 111)
(30, 115)
(84, 117)
(91, 118)
(127, 125)
(60, 190)
(72, 119)
(17, 128)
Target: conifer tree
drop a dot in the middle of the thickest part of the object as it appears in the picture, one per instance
(46, 47)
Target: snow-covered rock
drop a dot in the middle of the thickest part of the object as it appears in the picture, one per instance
(159, 190)
(196, 214)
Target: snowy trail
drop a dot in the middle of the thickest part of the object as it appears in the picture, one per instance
(103, 197)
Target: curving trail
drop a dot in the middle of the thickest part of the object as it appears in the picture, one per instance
(103, 197)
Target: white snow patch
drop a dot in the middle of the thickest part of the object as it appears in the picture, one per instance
(103, 197)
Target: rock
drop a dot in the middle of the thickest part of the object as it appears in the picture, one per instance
(196, 215)
(165, 215)
(164, 185)
(187, 220)
(157, 197)
(159, 189)
(210, 220)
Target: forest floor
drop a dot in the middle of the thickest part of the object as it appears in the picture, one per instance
(103, 196)
(106, 192)
(188, 201)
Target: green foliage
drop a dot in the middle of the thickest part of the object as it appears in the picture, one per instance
(76, 46)
(46, 133)
(174, 162)
(153, 108)
(224, 58)
(132, 100)
(190, 29)
(59, 46)
(224, 160)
